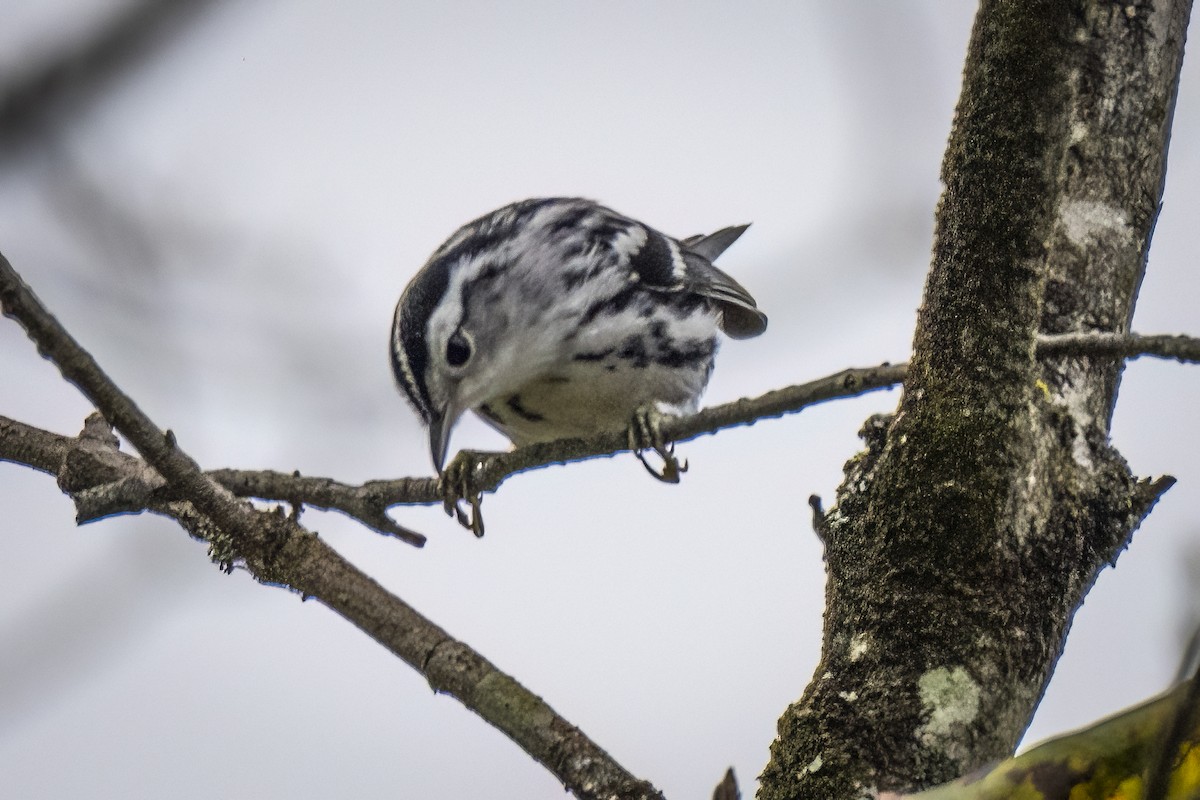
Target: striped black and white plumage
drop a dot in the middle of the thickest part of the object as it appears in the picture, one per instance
(553, 318)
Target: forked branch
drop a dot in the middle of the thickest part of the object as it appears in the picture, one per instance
(276, 549)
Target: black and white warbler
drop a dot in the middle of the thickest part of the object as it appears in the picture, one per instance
(554, 318)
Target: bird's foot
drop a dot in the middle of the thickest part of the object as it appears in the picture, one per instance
(458, 482)
(645, 433)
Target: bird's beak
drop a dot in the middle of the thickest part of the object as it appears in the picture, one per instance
(439, 434)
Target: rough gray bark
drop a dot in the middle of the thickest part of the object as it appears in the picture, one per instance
(967, 534)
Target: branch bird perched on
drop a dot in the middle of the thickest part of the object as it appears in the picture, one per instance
(554, 318)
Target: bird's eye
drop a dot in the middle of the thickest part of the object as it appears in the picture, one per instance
(458, 349)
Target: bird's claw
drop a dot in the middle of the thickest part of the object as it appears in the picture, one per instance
(645, 433)
(457, 483)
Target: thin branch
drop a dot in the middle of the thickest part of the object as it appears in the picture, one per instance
(475, 473)
(1185, 349)
(32, 447)
(94, 486)
(275, 549)
(486, 471)
(492, 469)
(368, 502)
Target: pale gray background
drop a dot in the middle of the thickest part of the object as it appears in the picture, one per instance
(228, 229)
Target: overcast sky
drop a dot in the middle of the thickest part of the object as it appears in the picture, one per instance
(228, 224)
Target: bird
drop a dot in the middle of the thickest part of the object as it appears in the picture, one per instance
(558, 317)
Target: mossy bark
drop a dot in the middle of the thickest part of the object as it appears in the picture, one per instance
(965, 537)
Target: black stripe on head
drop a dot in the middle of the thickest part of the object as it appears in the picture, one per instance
(410, 350)
(654, 261)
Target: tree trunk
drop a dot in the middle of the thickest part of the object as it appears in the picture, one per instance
(967, 534)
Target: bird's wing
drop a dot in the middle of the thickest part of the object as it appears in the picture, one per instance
(740, 317)
(712, 245)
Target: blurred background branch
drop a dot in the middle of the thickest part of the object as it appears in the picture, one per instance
(37, 101)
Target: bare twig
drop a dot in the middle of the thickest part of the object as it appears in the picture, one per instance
(32, 447)
(489, 470)
(275, 549)
(486, 471)
(45, 451)
(365, 503)
(1185, 349)
(480, 472)
(368, 502)
(819, 523)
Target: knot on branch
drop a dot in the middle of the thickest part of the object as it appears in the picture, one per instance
(101, 479)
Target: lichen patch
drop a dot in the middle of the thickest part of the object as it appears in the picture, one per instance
(950, 698)
(1086, 221)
